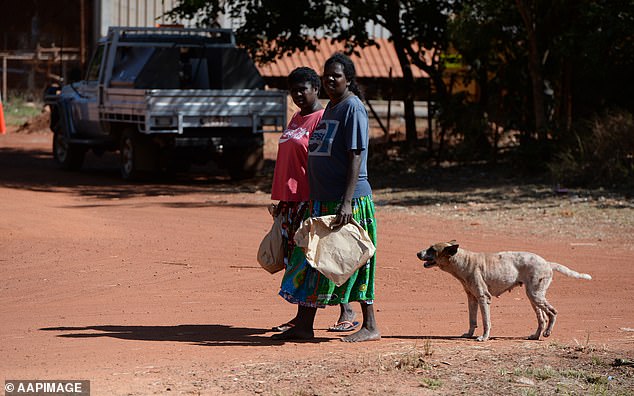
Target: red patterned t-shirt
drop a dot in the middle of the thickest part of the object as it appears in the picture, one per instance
(290, 182)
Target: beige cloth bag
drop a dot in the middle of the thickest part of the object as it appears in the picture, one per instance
(271, 250)
(336, 254)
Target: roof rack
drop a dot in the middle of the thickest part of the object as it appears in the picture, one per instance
(215, 35)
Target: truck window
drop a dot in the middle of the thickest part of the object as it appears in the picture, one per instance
(95, 64)
(239, 71)
(128, 63)
(174, 68)
(160, 71)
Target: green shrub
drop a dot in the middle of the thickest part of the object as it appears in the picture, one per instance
(600, 152)
(17, 110)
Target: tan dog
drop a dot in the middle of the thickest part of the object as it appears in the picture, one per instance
(490, 274)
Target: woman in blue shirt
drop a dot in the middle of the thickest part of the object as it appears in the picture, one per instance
(338, 178)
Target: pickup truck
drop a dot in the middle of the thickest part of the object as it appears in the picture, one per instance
(166, 98)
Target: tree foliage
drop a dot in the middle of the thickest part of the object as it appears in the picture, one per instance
(541, 67)
(274, 28)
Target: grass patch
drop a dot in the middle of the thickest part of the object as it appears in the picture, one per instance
(541, 374)
(597, 361)
(410, 360)
(17, 111)
(584, 346)
(428, 350)
(594, 384)
(597, 380)
(503, 371)
(430, 383)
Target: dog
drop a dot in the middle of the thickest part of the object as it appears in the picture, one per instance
(490, 274)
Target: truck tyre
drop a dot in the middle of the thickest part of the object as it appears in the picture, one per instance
(137, 154)
(246, 161)
(68, 155)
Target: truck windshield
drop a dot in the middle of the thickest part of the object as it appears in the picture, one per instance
(184, 67)
(93, 69)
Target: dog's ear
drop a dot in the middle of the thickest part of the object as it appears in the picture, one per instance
(451, 250)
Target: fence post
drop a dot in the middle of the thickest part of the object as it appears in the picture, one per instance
(4, 76)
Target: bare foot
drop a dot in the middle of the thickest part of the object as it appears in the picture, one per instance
(363, 334)
(294, 334)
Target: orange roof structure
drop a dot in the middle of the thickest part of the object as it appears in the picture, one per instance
(372, 61)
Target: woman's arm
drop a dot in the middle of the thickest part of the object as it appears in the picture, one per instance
(344, 214)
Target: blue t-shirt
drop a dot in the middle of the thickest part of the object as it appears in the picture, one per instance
(343, 127)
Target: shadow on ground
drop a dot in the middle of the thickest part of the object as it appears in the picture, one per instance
(414, 181)
(397, 182)
(35, 170)
(203, 335)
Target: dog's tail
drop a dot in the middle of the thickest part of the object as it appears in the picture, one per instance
(568, 272)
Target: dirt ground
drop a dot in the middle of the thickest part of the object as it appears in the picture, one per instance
(153, 288)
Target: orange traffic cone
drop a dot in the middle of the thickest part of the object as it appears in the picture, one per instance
(3, 127)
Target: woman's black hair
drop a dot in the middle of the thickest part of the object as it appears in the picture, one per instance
(348, 70)
(304, 74)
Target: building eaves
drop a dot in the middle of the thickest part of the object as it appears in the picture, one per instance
(371, 62)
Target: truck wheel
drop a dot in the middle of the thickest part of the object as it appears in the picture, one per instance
(136, 154)
(69, 156)
(244, 163)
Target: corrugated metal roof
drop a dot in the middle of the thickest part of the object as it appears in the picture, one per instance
(372, 62)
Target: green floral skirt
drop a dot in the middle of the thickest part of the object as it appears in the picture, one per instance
(304, 285)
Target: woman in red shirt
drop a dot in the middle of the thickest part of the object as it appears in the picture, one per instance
(290, 180)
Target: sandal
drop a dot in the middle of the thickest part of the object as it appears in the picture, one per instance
(283, 327)
(344, 325)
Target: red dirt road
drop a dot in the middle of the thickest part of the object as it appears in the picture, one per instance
(153, 288)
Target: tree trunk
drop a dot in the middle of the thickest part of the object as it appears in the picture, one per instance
(408, 100)
(567, 95)
(534, 69)
(441, 95)
(393, 18)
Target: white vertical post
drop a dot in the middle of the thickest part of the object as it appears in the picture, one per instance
(4, 76)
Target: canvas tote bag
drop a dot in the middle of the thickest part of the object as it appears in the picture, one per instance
(336, 254)
(271, 250)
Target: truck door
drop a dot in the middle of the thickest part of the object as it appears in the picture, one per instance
(86, 104)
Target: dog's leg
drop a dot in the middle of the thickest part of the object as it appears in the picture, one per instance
(484, 299)
(537, 296)
(552, 317)
(546, 307)
(485, 303)
(473, 314)
(541, 319)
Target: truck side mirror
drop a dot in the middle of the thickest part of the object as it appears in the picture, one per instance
(74, 75)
